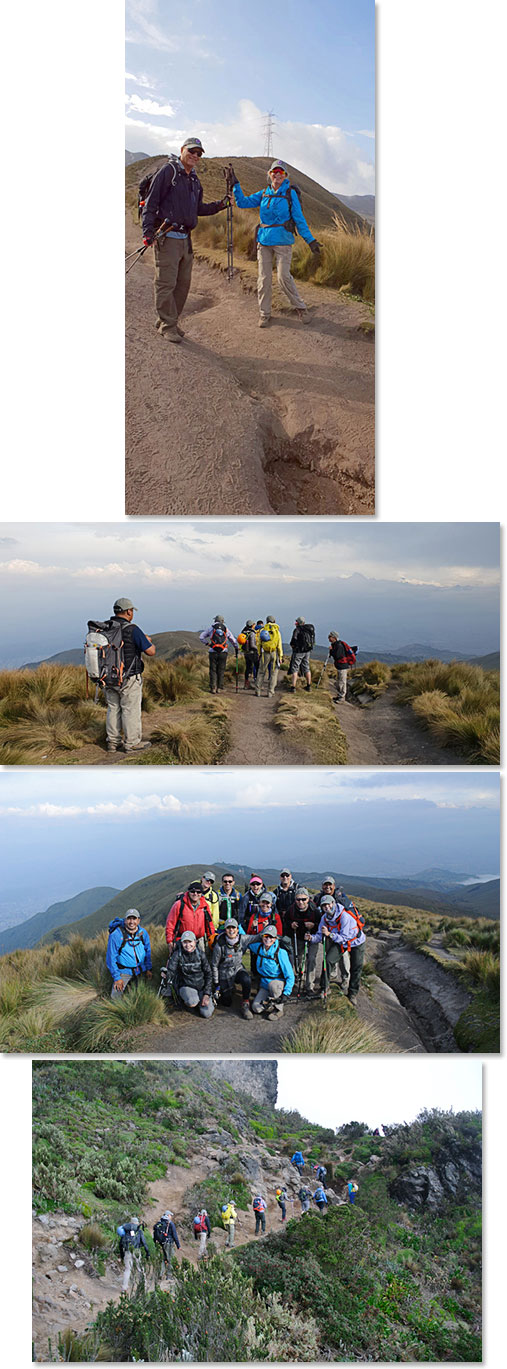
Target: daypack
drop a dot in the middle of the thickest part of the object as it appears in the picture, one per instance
(351, 909)
(348, 654)
(135, 940)
(145, 185)
(199, 1224)
(290, 224)
(128, 1236)
(218, 640)
(258, 1205)
(161, 1231)
(269, 642)
(306, 636)
(104, 654)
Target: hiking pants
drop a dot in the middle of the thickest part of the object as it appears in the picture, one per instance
(275, 990)
(173, 273)
(131, 1261)
(335, 966)
(217, 664)
(356, 965)
(124, 714)
(243, 979)
(286, 282)
(231, 1227)
(191, 998)
(268, 668)
(251, 663)
(283, 1210)
(322, 1207)
(299, 1167)
(202, 1245)
(352, 1197)
(167, 1250)
(260, 1222)
(313, 962)
(305, 1204)
(126, 976)
(341, 684)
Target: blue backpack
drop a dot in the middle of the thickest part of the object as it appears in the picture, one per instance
(135, 940)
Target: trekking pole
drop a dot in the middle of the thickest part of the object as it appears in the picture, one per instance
(142, 250)
(324, 965)
(302, 969)
(237, 672)
(230, 255)
(323, 671)
(296, 957)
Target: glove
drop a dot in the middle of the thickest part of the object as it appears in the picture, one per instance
(315, 247)
(147, 242)
(216, 996)
(232, 177)
(224, 204)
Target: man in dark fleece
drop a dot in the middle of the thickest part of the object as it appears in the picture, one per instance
(189, 973)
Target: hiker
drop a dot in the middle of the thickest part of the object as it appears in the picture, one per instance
(282, 1200)
(229, 900)
(189, 973)
(320, 1199)
(304, 1196)
(270, 648)
(302, 917)
(175, 197)
(321, 1173)
(227, 967)
(190, 913)
(229, 1219)
(352, 1189)
(298, 1161)
(259, 1206)
(281, 218)
(342, 930)
(166, 1236)
(261, 913)
(216, 638)
(275, 973)
(249, 903)
(328, 886)
(341, 970)
(132, 1243)
(343, 657)
(211, 896)
(285, 892)
(124, 701)
(128, 951)
(248, 642)
(202, 1229)
(302, 643)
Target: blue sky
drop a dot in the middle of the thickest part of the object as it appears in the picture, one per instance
(214, 68)
(331, 1091)
(64, 831)
(382, 585)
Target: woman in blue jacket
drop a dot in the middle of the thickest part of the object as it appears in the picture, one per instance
(281, 217)
(128, 951)
(274, 970)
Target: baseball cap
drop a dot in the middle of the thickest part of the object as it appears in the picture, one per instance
(208, 874)
(278, 163)
(231, 922)
(195, 887)
(285, 872)
(189, 936)
(123, 604)
(270, 930)
(192, 142)
(327, 899)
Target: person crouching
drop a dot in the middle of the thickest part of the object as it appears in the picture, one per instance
(189, 973)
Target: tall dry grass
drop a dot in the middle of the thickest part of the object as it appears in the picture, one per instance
(309, 720)
(458, 703)
(372, 678)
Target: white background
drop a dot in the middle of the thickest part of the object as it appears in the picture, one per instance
(440, 356)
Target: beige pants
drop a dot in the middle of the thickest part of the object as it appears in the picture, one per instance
(124, 713)
(173, 273)
(202, 1244)
(285, 280)
(267, 659)
(131, 1260)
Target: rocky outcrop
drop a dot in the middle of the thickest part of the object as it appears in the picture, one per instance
(433, 997)
(454, 1174)
(258, 1078)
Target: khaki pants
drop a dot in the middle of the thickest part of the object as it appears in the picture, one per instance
(341, 684)
(268, 667)
(230, 1234)
(173, 273)
(202, 1245)
(286, 282)
(124, 713)
(131, 1260)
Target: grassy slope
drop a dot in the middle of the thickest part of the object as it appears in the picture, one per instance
(377, 1282)
(32, 931)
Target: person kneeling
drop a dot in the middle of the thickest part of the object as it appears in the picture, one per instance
(227, 966)
(189, 973)
(275, 973)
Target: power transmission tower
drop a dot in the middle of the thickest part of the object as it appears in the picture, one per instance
(269, 126)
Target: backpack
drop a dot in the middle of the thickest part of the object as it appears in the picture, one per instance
(208, 921)
(145, 185)
(290, 224)
(258, 1205)
(351, 909)
(104, 655)
(134, 940)
(128, 1237)
(161, 1231)
(348, 654)
(268, 636)
(306, 636)
(218, 640)
(199, 1224)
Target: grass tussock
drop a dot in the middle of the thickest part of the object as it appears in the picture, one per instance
(170, 682)
(458, 703)
(309, 720)
(200, 740)
(109, 1023)
(44, 714)
(333, 1033)
(484, 968)
(372, 679)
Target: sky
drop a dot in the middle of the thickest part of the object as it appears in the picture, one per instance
(215, 68)
(63, 831)
(334, 1091)
(381, 585)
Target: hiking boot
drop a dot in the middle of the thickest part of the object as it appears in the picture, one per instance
(172, 334)
(246, 1010)
(352, 998)
(293, 689)
(308, 688)
(213, 691)
(114, 746)
(179, 330)
(264, 322)
(141, 746)
(303, 315)
(278, 1009)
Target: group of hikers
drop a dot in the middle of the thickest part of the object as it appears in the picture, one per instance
(171, 202)
(296, 945)
(133, 1246)
(114, 650)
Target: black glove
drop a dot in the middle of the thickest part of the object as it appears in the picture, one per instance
(355, 648)
(147, 241)
(315, 247)
(224, 204)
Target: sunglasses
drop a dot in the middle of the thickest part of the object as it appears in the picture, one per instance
(256, 884)
(278, 171)
(194, 151)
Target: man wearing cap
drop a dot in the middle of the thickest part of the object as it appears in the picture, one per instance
(227, 966)
(128, 951)
(300, 662)
(275, 973)
(175, 198)
(166, 1236)
(211, 896)
(343, 657)
(303, 917)
(190, 913)
(285, 892)
(270, 648)
(281, 216)
(342, 969)
(341, 932)
(189, 974)
(124, 705)
(216, 638)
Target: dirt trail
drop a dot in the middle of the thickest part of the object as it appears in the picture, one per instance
(382, 733)
(254, 738)
(242, 421)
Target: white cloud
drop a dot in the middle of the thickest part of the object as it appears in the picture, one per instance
(366, 133)
(146, 106)
(146, 32)
(143, 81)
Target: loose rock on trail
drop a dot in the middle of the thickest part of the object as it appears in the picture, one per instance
(238, 420)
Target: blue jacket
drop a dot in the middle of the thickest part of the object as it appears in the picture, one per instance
(297, 1158)
(135, 954)
(267, 967)
(274, 213)
(319, 1196)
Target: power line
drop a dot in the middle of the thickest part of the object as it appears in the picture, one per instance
(269, 127)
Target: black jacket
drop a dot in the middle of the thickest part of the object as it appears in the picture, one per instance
(189, 968)
(175, 196)
(337, 652)
(285, 898)
(171, 1234)
(299, 915)
(135, 1244)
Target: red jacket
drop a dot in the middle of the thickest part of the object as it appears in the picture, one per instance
(183, 917)
(258, 921)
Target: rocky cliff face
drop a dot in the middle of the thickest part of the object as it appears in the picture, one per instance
(454, 1175)
(257, 1078)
